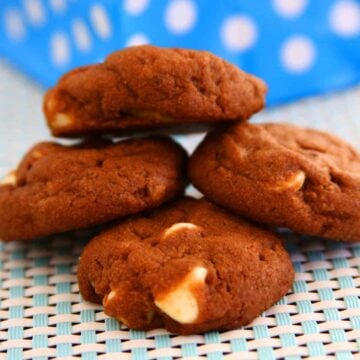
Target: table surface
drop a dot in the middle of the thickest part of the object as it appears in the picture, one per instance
(42, 315)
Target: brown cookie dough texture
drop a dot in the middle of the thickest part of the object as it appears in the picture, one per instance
(59, 188)
(146, 86)
(203, 269)
(282, 175)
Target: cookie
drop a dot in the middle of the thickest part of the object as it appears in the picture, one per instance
(60, 188)
(189, 267)
(147, 87)
(282, 175)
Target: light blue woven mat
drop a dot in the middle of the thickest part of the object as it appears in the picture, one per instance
(43, 317)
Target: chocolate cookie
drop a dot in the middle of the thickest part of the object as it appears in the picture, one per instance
(59, 188)
(145, 87)
(282, 175)
(189, 267)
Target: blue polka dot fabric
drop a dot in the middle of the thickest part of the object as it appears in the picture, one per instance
(300, 47)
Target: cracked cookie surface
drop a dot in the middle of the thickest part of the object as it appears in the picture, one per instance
(145, 87)
(60, 188)
(282, 175)
(189, 267)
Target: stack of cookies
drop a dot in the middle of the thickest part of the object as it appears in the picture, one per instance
(165, 260)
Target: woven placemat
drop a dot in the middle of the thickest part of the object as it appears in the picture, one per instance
(42, 315)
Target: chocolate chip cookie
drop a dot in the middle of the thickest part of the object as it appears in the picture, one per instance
(145, 87)
(189, 267)
(59, 188)
(282, 175)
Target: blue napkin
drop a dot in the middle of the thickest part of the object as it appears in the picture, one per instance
(300, 47)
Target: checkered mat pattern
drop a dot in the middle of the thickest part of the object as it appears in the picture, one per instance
(42, 315)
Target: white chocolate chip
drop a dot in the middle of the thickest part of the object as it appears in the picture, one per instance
(61, 120)
(180, 303)
(294, 183)
(51, 104)
(108, 297)
(121, 319)
(177, 227)
(37, 154)
(242, 152)
(111, 295)
(9, 179)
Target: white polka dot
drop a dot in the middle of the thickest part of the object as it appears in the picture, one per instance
(345, 18)
(59, 6)
(100, 21)
(137, 39)
(239, 33)
(60, 49)
(180, 16)
(135, 7)
(34, 11)
(81, 35)
(14, 24)
(290, 8)
(298, 54)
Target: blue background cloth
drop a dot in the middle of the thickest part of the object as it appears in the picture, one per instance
(300, 47)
